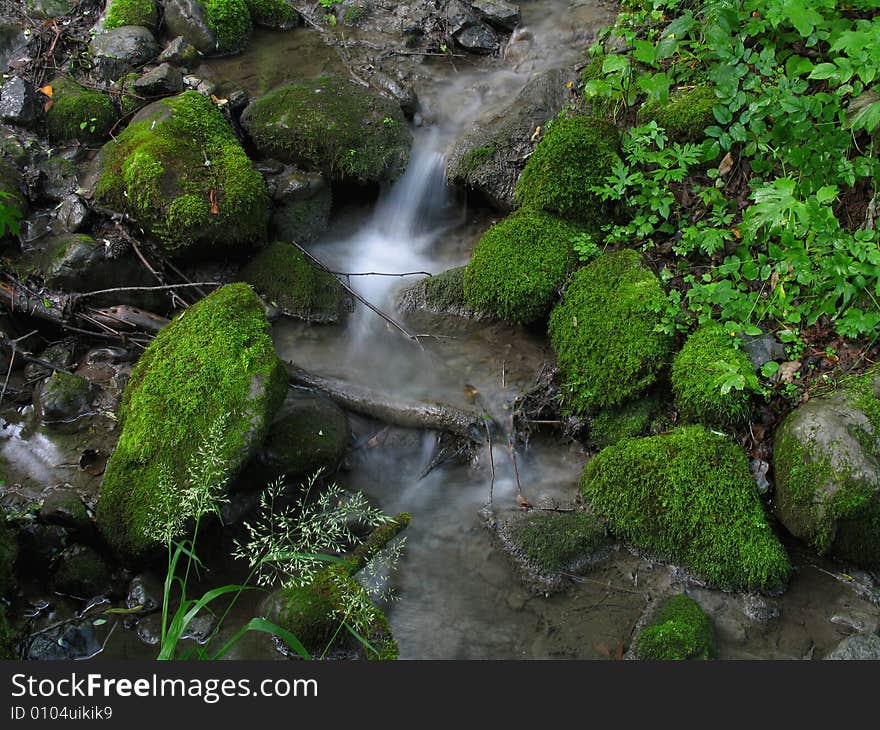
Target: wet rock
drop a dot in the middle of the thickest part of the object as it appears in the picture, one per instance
(827, 467)
(45, 9)
(400, 91)
(762, 349)
(19, 103)
(77, 640)
(186, 18)
(64, 506)
(442, 293)
(760, 609)
(489, 159)
(116, 51)
(63, 397)
(163, 80)
(149, 630)
(203, 86)
(478, 38)
(497, 12)
(179, 52)
(40, 545)
(310, 433)
(81, 572)
(302, 205)
(857, 647)
(146, 591)
(71, 216)
(58, 178)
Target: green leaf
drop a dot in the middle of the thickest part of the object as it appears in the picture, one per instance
(824, 71)
(768, 369)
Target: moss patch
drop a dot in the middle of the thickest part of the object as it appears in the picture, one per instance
(554, 541)
(519, 265)
(685, 115)
(132, 12)
(679, 631)
(695, 378)
(575, 154)
(231, 22)
(216, 359)
(603, 332)
(627, 421)
(690, 497)
(272, 13)
(155, 171)
(78, 113)
(284, 275)
(332, 126)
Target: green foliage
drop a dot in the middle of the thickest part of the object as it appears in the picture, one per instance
(713, 379)
(518, 266)
(132, 12)
(574, 155)
(231, 22)
(10, 215)
(216, 358)
(163, 169)
(690, 497)
(283, 274)
(679, 631)
(332, 126)
(604, 332)
(78, 113)
(553, 541)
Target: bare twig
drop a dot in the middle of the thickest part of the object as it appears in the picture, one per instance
(164, 287)
(381, 273)
(491, 463)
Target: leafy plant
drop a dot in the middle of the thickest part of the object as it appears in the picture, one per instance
(10, 215)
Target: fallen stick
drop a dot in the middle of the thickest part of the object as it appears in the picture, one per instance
(468, 424)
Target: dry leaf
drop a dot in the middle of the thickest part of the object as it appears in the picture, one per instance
(215, 207)
(537, 133)
(47, 90)
(48, 105)
(787, 371)
(737, 234)
(523, 502)
(726, 165)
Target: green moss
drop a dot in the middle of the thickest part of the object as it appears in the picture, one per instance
(231, 22)
(304, 221)
(354, 14)
(628, 421)
(132, 12)
(575, 154)
(67, 392)
(680, 631)
(272, 13)
(8, 555)
(552, 541)
(689, 496)
(215, 360)
(695, 379)
(477, 157)
(603, 332)
(81, 572)
(155, 171)
(685, 115)
(519, 265)
(445, 291)
(78, 113)
(332, 126)
(129, 100)
(283, 274)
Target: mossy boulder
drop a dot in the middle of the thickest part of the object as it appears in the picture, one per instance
(689, 496)
(215, 361)
(603, 332)
(78, 113)
(551, 542)
(310, 433)
(63, 397)
(519, 265)
(826, 459)
(302, 202)
(156, 172)
(231, 22)
(283, 274)
(131, 12)
(697, 372)
(331, 126)
(679, 630)
(684, 115)
(575, 154)
(81, 572)
(278, 14)
(629, 420)
(441, 293)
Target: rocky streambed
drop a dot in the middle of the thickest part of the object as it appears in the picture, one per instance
(155, 307)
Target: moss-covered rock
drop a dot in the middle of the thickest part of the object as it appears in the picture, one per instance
(131, 12)
(680, 630)
(310, 433)
(302, 205)
(78, 113)
(283, 274)
(519, 265)
(603, 332)
(557, 541)
(684, 115)
(231, 22)
(696, 374)
(216, 361)
(827, 464)
(81, 572)
(631, 419)
(156, 172)
(575, 154)
(332, 126)
(690, 497)
(273, 13)
(63, 397)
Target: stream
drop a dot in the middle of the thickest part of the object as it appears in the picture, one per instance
(459, 595)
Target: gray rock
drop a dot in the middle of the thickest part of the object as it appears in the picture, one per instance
(44, 9)
(77, 640)
(187, 18)
(60, 355)
(489, 158)
(478, 38)
(857, 647)
(63, 397)
(116, 51)
(81, 572)
(145, 591)
(762, 349)
(71, 216)
(19, 103)
(149, 630)
(64, 506)
(58, 176)
(302, 205)
(497, 12)
(179, 52)
(402, 93)
(164, 80)
(460, 16)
